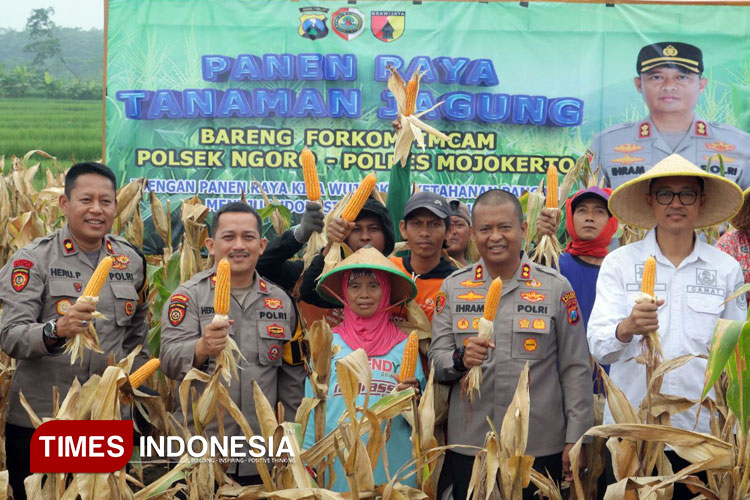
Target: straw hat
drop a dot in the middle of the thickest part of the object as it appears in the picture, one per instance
(402, 286)
(723, 197)
(742, 219)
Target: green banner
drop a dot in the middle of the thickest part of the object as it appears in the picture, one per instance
(207, 96)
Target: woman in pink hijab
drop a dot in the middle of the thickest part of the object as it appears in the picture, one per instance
(370, 287)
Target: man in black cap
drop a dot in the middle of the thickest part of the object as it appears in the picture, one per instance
(670, 78)
(427, 219)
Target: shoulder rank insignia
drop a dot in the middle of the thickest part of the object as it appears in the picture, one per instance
(68, 246)
(701, 128)
(525, 271)
(644, 130)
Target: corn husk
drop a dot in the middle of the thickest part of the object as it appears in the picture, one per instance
(472, 381)
(88, 339)
(411, 126)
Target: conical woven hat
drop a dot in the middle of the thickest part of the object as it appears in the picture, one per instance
(402, 286)
(742, 219)
(628, 202)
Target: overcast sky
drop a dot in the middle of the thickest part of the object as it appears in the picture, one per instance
(68, 13)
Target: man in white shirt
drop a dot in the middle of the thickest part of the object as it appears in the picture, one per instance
(692, 281)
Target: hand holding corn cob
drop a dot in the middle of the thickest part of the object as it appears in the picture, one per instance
(226, 363)
(473, 380)
(88, 339)
(651, 339)
(548, 250)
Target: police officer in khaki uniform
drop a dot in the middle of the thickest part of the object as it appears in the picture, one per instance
(670, 80)
(263, 323)
(538, 321)
(40, 285)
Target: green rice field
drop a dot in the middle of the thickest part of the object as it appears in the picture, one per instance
(67, 129)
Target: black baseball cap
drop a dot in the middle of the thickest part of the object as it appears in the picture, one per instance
(675, 54)
(430, 201)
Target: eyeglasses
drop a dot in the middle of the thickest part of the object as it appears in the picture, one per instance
(664, 197)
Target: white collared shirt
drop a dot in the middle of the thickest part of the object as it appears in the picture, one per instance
(694, 293)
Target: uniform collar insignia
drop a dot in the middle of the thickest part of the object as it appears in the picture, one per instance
(644, 130)
(69, 247)
(108, 246)
(701, 128)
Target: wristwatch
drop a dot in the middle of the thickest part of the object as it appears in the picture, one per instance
(49, 329)
(458, 359)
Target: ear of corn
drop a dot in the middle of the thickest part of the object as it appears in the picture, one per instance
(222, 289)
(95, 284)
(649, 276)
(493, 299)
(310, 174)
(352, 209)
(142, 374)
(552, 181)
(412, 88)
(409, 359)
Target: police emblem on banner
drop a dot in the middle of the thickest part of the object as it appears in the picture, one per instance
(388, 25)
(348, 23)
(312, 23)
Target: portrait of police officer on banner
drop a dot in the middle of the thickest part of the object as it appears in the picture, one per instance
(670, 79)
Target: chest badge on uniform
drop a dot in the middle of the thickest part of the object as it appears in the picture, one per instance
(533, 297)
(78, 287)
(274, 352)
(129, 307)
(701, 128)
(472, 284)
(177, 308)
(276, 331)
(479, 273)
(720, 146)
(530, 345)
(628, 160)
(271, 303)
(120, 262)
(525, 271)
(68, 246)
(719, 158)
(63, 306)
(471, 296)
(20, 276)
(533, 283)
(627, 148)
(463, 324)
(440, 301)
(524, 323)
(539, 324)
(644, 130)
(475, 323)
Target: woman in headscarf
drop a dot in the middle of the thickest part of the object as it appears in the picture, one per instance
(370, 287)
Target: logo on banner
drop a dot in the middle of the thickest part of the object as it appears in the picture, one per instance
(348, 23)
(81, 446)
(387, 25)
(312, 23)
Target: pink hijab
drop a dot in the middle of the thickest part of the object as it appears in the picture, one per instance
(377, 334)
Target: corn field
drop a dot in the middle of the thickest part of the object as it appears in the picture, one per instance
(28, 208)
